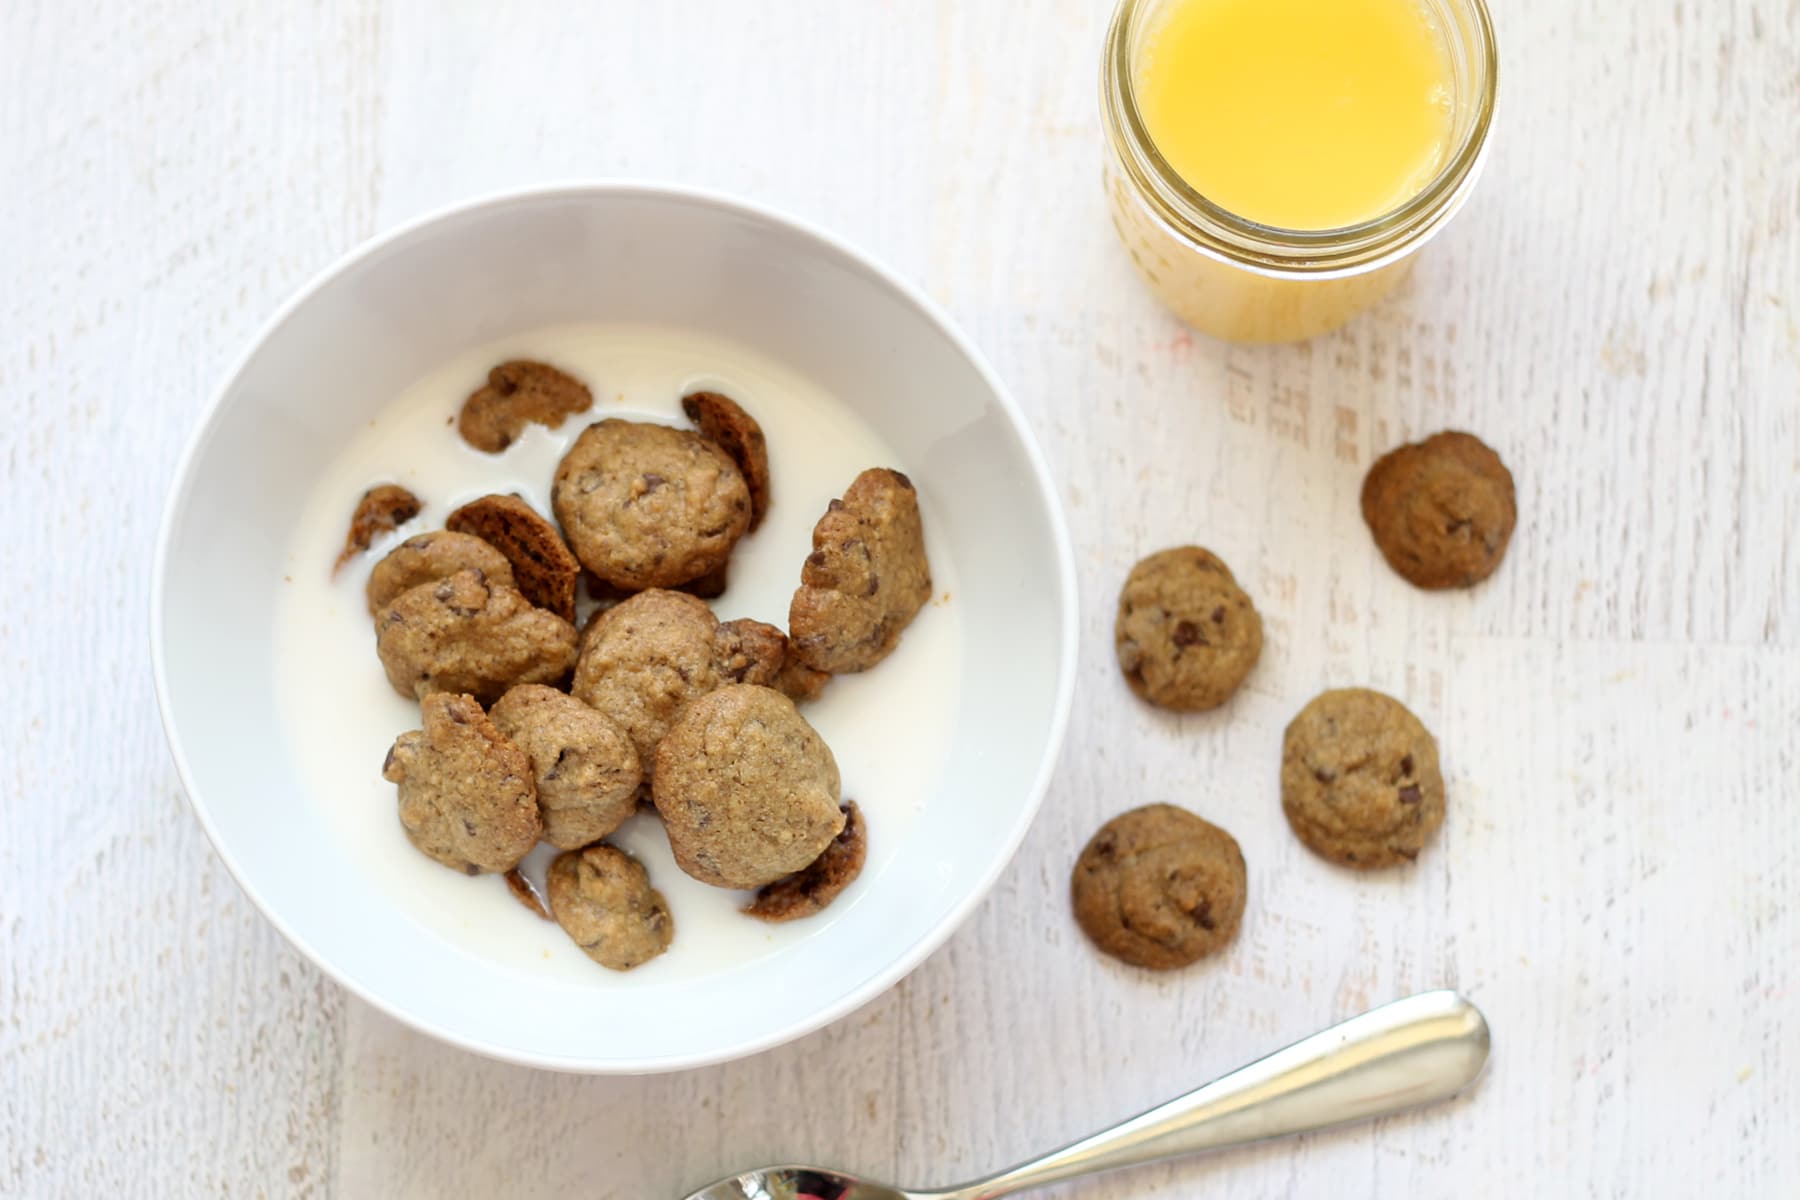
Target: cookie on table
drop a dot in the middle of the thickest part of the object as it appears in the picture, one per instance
(603, 900)
(722, 420)
(585, 767)
(543, 567)
(382, 509)
(516, 394)
(643, 660)
(648, 506)
(1442, 510)
(469, 634)
(1186, 634)
(1159, 887)
(1359, 779)
(808, 892)
(429, 557)
(466, 794)
(748, 791)
(866, 578)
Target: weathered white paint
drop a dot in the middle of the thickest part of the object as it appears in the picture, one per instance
(1619, 708)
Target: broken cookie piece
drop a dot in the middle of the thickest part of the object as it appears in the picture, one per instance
(722, 420)
(516, 394)
(469, 634)
(466, 794)
(603, 900)
(809, 891)
(543, 567)
(382, 509)
(866, 579)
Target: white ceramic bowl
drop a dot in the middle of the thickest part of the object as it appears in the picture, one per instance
(393, 310)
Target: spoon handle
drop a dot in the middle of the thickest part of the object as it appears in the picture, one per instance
(1409, 1052)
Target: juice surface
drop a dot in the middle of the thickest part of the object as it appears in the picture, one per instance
(1303, 114)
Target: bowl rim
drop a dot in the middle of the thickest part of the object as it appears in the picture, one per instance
(910, 957)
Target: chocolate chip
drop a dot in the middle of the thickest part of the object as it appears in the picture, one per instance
(816, 559)
(835, 506)
(1187, 633)
(903, 481)
(1406, 765)
(1456, 527)
(1408, 855)
(652, 481)
(1203, 916)
(556, 767)
(1410, 794)
(874, 584)
(1324, 776)
(1218, 615)
(471, 869)
(468, 827)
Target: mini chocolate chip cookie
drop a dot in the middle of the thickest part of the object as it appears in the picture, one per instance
(865, 580)
(467, 634)
(466, 794)
(382, 509)
(543, 567)
(647, 506)
(427, 558)
(585, 767)
(722, 420)
(748, 791)
(823, 880)
(643, 660)
(517, 393)
(603, 900)
(1159, 887)
(1442, 510)
(1186, 633)
(1359, 779)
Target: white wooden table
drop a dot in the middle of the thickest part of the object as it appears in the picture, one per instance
(1619, 708)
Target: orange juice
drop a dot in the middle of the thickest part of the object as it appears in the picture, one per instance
(1300, 114)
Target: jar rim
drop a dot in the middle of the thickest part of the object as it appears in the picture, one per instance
(1341, 250)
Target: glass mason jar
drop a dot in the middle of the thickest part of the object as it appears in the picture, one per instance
(1246, 282)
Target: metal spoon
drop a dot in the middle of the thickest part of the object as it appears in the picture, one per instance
(1413, 1051)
